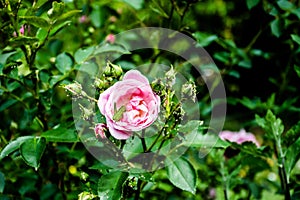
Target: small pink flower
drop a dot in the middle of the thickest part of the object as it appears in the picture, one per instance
(110, 38)
(238, 137)
(22, 30)
(212, 193)
(129, 105)
(100, 130)
(83, 19)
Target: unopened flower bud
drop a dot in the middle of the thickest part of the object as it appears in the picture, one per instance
(100, 130)
(170, 77)
(112, 70)
(110, 38)
(158, 87)
(117, 70)
(188, 91)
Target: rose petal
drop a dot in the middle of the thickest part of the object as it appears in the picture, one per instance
(118, 134)
(137, 76)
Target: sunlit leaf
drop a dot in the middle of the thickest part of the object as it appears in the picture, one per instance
(59, 27)
(13, 146)
(66, 16)
(137, 4)
(41, 34)
(38, 22)
(60, 135)
(32, 151)
(21, 40)
(182, 174)
(56, 10)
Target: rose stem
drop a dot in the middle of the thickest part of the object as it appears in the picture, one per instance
(143, 140)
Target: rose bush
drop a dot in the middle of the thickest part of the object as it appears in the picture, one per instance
(129, 105)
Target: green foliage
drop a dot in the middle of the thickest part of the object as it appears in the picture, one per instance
(45, 44)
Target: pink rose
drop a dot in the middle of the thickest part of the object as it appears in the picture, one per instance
(238, 137)
(129, 105)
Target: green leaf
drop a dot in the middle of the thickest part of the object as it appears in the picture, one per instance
(63, 62)
(21, 40)
(5, 56)
(41, 34)
(158, 9)
(234, 73)
(204, 39)
(277, 27)
(2, 182)
(285, 5)
(60, 135)
(292, 134)
(97, 16)
(292, 156)
(56, 10)
(81, 55)
(132, 148)
(251, 149)
(252, 3)
(14, 145)
(189, 126)
(136, 4)
(272, 125)
(182, 175)
(59, 27)
(296, 38)
(38, 22)
(7, 104)
(110, 185)
(32, 151)
(111, 48)
(297, 70)
(65, 17)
